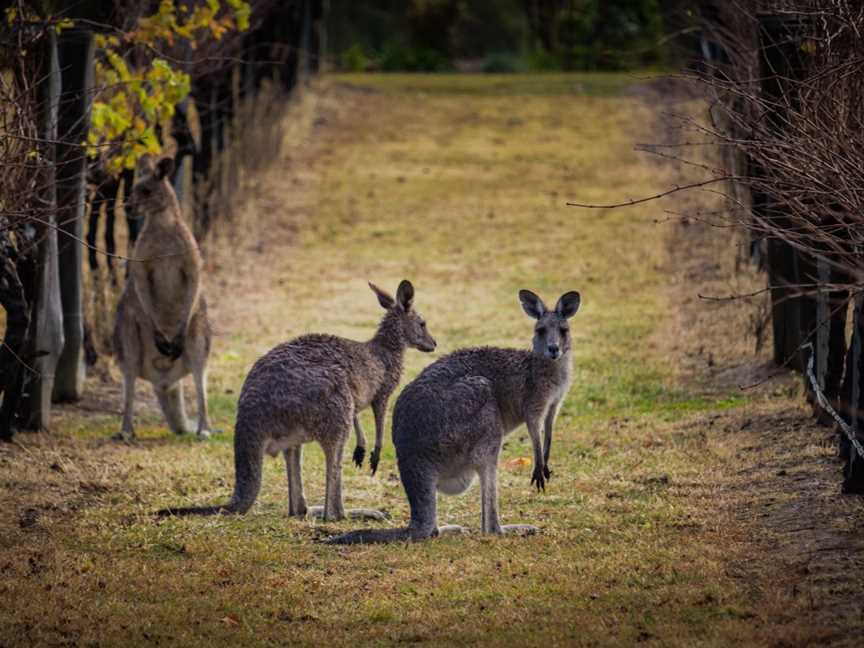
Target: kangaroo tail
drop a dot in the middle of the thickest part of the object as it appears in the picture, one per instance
(248, 457)
(224, 509)
(372, 536)
(412, 533)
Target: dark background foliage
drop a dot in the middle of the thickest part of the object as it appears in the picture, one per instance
(499, 35)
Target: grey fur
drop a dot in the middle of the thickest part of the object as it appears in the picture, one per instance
(312, 389)
(449, 423)
(161, 331)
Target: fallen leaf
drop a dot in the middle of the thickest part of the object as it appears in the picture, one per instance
(230, 620)
(517, 462)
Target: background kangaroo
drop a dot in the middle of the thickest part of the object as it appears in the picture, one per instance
(162, 333)
(312, 389)
(449, 423)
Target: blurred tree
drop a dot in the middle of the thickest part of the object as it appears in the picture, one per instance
(485, 27)
(431, 34)
(590, 34)
(544, 19)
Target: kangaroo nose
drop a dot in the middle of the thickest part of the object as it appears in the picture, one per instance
(553, 350)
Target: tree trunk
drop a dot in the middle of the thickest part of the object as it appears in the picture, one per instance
(779, 62)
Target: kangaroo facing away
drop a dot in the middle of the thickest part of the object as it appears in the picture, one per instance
(449, 423)
(162, 333)
(313, 389)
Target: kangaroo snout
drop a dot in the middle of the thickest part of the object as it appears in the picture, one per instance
(428, 346)
(553, 351)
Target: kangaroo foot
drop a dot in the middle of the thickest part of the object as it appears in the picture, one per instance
(452, 529)
(317, 512)
(299, 511)
(366, 514)
(359, 454)
(519, 529)
(203, 432)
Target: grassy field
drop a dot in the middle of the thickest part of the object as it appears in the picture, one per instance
(459, 184)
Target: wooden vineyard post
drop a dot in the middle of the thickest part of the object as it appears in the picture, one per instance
(317, 38)
(204, 93)
(853, 481)
(780, 64)
(186, 150)
(306, 43)
(814, 324)
(76, 48)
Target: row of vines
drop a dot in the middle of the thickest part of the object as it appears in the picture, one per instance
(786, 78)
(86, 90)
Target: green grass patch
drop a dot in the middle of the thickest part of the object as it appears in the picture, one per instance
(458, 183)
(499, 85)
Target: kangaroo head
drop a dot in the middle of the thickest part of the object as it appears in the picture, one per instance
(552, 332)
(400, 311)
(153, 191)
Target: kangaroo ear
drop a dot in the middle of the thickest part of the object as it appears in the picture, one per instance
(532, 304)
(145, 165)
(405, 295)
(384, 299)
(568, 304)
(165, 168)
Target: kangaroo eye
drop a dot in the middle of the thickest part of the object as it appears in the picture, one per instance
(423, 325)
(541, 330)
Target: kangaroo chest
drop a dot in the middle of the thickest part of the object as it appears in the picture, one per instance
(364, 394)
(542, 394)
(373, 380)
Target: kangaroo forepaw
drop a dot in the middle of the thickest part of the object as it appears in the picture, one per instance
(359, 454)
(539, 478)
(172, 349)
(162, 344)
(546, 472)
(374, 458)
(179, 345)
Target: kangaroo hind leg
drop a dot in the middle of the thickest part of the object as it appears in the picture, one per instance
(173, 407)
(293, 467)
(333, 508)
(127, 346)
(419, 479)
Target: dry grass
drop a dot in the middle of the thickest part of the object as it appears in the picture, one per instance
(459, 184)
